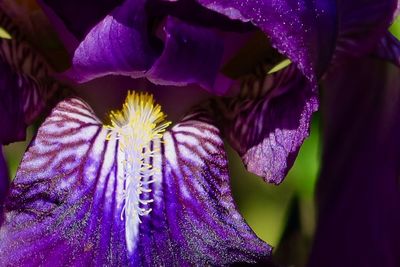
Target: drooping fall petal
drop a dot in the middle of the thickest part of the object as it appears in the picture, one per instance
(66, 204)
(269, 121)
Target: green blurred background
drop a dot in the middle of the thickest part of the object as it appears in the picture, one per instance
(283, 215)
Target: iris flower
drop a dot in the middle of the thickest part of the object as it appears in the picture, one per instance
(132, 191)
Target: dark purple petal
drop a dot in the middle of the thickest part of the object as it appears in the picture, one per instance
(25, 84)
(269, 121)
(127, 41)
(63, 207)
(191, 54)
(194, 13)
(388, 49)
(194, 219)
(118, 44)
(298, 29)
(358, 189)
(361, 24)
(121, 43)
(66, 203)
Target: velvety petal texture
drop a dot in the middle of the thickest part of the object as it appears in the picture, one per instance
(191, 55)
(298, 29)
(123, 43)
(194, 213)
(174, 53)
(269, 121)
(66, 204)
(118, 44)
(358, 189)
(25, 84)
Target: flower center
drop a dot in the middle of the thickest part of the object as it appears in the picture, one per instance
(138, 123)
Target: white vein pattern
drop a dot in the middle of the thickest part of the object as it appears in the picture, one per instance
(194, 219)
(269, 121)
(66, 201)
(69, 212)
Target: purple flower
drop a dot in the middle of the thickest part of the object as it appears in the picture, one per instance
(131, 192)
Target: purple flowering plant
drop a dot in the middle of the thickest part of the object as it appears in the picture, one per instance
(148, 184)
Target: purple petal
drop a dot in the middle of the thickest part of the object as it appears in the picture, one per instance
(25, 84)
(358, 188)
(191, 54)
(66, 202)
(121, 44)
(298, 29)
(63, 207)
(270, 120)
(118, 44)
(194, 219)
(361, 24)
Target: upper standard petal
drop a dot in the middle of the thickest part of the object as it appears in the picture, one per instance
(298, 29)
(122, 43)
